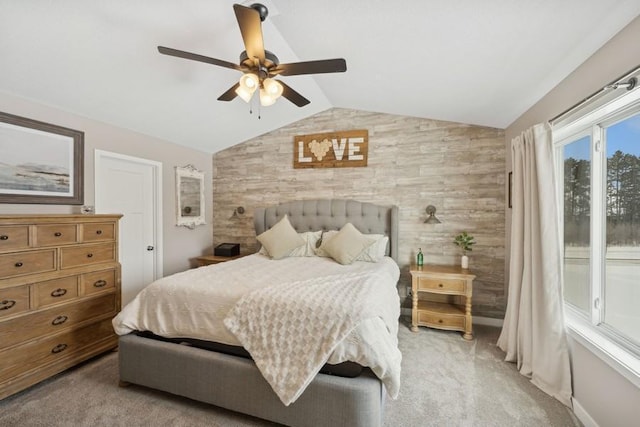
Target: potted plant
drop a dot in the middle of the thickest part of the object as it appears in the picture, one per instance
(464, 241)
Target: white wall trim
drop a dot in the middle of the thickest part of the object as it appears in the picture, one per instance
(619, 359)
(488, 321)
(582, 414)
(157, 183)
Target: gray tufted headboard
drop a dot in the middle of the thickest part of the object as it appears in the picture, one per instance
(332, 214)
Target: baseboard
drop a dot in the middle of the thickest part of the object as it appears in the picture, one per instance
(487, 321)
(582, 414)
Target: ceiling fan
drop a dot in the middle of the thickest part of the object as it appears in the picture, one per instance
(259, 66)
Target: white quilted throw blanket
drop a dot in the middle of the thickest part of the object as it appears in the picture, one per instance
(291, 329)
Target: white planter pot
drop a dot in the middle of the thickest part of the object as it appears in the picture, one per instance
(464, 262)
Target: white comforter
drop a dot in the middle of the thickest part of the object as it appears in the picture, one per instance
(195, 303)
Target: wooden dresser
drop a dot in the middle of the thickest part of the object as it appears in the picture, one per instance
(59, 290)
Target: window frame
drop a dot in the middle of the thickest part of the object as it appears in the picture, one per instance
(601, 339)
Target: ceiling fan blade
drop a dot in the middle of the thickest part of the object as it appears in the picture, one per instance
(195, 57)
(230, 94)
(338, 65)
(292, 95)
(251, 29)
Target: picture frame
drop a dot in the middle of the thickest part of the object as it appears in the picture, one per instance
(190, 202)
(41, 163)
(510, 180)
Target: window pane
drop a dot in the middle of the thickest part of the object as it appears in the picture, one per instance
(577, 205)
(622, 265)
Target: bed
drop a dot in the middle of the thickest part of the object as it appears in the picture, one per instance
(165, 361)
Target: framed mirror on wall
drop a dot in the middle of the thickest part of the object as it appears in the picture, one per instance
(189, 196)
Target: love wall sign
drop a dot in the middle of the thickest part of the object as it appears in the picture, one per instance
(341, 149)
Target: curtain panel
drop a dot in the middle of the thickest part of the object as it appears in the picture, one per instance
(533, 335)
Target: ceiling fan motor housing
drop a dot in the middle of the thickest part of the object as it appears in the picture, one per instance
(270, 61)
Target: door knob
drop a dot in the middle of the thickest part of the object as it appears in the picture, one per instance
(149, 248)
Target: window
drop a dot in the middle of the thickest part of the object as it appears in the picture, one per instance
(598, 160)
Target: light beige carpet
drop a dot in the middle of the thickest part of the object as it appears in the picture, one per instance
(446, 381)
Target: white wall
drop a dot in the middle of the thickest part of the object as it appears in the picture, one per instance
(607, 397)
(180, 244)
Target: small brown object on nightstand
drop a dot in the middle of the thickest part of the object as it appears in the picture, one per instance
(441, 298)
(214, 259)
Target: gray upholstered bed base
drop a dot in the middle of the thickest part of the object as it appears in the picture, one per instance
(236, 383)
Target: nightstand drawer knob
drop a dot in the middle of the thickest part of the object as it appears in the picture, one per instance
(150, 248)
(440, 321)
(57, 234)
(440, 285)
(89, 255)
(18, 264)
(4, 237)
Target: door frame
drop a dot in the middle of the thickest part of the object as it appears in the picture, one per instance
(156, 168)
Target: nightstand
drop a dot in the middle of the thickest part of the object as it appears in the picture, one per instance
(441, 298)
(214, 259)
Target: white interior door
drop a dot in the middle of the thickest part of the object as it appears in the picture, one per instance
(131, 186)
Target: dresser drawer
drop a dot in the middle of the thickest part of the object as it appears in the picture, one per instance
(56, 234)
(54, 319)
(98, 232)
(14, 237)
(98, 281)
(441, 284)
(56, 291)
(20, 263)
(441, 320)
(14, 300)
(77, 256)
(38, 353)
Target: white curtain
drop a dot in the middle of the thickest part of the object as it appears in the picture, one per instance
(533, 334)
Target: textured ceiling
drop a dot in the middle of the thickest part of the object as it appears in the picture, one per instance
(478, 62)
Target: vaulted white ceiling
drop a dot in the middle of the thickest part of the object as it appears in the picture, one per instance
(479, 62)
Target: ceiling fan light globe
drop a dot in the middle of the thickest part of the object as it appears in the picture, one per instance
(266, 99)
(273, 88)
(244, 94)
(249, 82)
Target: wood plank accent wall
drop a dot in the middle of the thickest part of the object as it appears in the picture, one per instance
(412, 163)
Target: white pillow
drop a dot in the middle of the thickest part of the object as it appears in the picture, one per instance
(326, 237)
(281, 239)
(345, 246)
(308, 249)
(376, 251)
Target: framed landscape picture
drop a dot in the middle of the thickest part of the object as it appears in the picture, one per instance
(40, 162)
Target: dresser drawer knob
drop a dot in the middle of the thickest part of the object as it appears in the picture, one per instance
(18, 264)
(98, 231)
(89, 255)
(440, 285)
(58, 292)
(59, 320)
(7, 304)
(100, 284)
(58, 348)
(4, 237)
(57, 234)
(440, 321)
